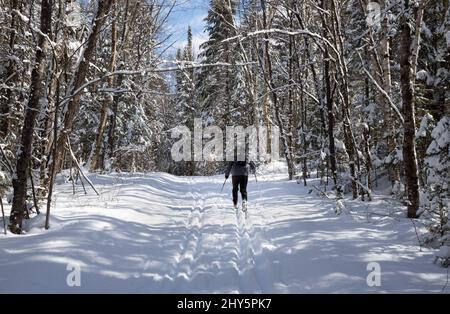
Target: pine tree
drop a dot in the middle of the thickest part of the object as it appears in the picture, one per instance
(437, 165)
(217, 82)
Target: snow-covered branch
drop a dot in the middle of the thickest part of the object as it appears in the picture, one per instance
(382, 91)
(180, 66)
(244, 36)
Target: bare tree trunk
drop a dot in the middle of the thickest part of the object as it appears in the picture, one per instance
(291, 93)
(367, 136)
(31, 112)
(109, 99)
(407, 88)
(123, 47)
(386, 83)
(330, 114)
(45, 126)
(53, 164)
(349, 138)
(320, 98)
(268, 76)
(11, 73)
(266, 105)
(303, 120)
(331, 144)
(79, 79)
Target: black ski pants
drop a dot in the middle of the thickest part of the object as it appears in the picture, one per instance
(239, 183)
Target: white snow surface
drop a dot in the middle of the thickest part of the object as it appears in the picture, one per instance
(158, 233)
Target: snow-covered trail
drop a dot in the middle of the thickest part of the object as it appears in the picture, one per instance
(161, 233)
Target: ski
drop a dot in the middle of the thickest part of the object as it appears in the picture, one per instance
(244, 206)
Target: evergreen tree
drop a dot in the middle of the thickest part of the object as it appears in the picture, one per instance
(216, 83)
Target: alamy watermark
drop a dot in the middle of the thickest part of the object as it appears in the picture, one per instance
(241, 143)
(73, 279)
(373, 14)
(373, 279)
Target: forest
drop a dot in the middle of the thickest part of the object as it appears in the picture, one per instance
(358, 91)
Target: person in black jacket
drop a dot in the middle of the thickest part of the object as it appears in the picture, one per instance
(239, 171)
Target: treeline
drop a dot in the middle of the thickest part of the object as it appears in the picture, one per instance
(68, 97)
(358, 91)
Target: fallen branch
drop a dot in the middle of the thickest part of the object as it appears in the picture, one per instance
(369, 192)
(321, 192)
(417, 235)
(77, 176)
(79, 167)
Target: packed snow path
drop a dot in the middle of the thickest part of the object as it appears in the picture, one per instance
(161, 233)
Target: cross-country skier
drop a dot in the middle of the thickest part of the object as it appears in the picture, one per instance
(240, 171)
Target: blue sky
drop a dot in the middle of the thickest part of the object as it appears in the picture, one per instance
(185, 13)
(188, 12)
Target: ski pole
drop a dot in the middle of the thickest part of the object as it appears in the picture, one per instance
(223, 184)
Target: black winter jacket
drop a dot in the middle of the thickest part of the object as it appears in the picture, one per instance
(239, 168)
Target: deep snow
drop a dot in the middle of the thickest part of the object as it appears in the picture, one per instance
(161, 233)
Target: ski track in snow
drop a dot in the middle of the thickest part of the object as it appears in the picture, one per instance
(191, 247)
(161, 233)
